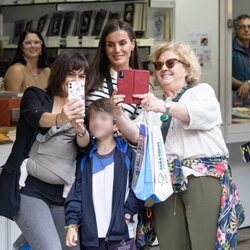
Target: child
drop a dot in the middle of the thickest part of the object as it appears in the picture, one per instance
(101, 199)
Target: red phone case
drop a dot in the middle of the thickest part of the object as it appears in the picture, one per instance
(130, 82)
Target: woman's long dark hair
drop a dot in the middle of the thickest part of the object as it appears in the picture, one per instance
(19, 58)
(100, 67)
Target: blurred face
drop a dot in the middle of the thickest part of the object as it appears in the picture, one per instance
(118, 49)
(101, 124)
(31, 46)
(170, 71)
(74, 75)
(243, 29)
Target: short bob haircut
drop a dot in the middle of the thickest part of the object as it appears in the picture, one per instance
(61, 67)
(42, 61)
(186, 54)
(100, 67)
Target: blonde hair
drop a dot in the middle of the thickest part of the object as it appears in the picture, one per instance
(186, 54)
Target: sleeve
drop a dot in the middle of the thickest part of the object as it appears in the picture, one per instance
(73, 203)
(203, 108)
(132, 204)
(32, 106)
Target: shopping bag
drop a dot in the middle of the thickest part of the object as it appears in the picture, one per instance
(151, 177)
(162, 181)
(143, 179)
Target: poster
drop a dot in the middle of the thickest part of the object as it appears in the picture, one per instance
(201, 43)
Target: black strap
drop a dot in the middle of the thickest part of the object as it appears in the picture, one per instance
(166, 124)
(110, 87)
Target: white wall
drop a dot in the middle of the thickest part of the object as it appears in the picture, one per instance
(200, 15)
(241, 7)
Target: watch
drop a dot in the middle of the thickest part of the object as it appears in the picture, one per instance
(167, 106)
(127, 217)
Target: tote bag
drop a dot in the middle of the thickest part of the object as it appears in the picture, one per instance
(151, 177)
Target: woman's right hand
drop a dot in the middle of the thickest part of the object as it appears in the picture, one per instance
(117, 103)
(71, 237)
(72, 110)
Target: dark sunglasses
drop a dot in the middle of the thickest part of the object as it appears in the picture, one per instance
(170, 63)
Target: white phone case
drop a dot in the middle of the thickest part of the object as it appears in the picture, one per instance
(76, 90)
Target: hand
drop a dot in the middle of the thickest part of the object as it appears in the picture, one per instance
(117, 103)
(150, 102)
(78, 125)
(71, 237)
(72, 110)
(244, 90)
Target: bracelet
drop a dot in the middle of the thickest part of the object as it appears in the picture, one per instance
(71, 226)
(81, 134)
(57, 125)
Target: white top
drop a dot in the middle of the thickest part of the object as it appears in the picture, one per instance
(102, 188)
(202, 137)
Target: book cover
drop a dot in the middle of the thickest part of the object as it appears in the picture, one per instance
(28, 24)
(158, 26)
(18, 29)
(84, 24)
(41, 23)
(129, 13)
(55, 24)
(100, 21)
(69, 22)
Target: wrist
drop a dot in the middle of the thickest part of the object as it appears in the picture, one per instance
(58, 123)
(71, 226)
(81, 134)
(117, 116)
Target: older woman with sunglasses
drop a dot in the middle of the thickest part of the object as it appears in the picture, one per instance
(204, 211)
(29, 67)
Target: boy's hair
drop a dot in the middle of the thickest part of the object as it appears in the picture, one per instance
(102, 104)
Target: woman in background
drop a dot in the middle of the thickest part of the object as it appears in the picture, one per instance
(29, 67)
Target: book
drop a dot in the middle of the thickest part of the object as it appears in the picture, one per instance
(129, 13)
(41, 23)
(18, 29)
(158, 26)
(84, 23)
(55, 24)
(69, 23)
(28, 24)
(101, 19)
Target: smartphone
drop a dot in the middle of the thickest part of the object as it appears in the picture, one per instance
(132, 81)
(76, 89)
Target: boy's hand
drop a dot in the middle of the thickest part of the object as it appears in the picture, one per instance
(71, 237)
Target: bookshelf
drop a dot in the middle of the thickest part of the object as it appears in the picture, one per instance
(34, 10)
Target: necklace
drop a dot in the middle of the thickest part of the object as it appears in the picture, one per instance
(164, 117)
(32, 74)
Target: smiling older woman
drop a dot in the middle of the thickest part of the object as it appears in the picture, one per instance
(204, 211)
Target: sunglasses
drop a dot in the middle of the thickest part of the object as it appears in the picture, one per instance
(170, 63)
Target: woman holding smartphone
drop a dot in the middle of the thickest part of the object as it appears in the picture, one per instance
(48, 130)
(117, 50)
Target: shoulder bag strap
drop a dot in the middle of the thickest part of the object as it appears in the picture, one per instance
(110, 87)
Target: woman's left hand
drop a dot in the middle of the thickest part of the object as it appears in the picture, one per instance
(150, 102)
